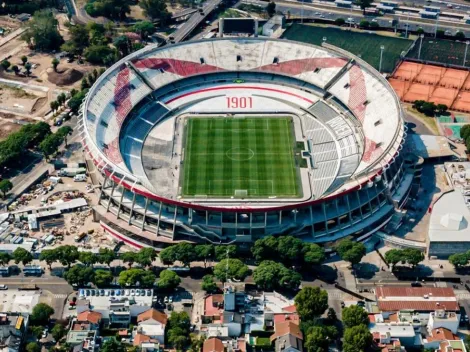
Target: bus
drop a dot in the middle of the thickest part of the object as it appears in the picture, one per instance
(5, 271)
(33, 270)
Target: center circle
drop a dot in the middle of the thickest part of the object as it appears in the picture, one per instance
(240, 154)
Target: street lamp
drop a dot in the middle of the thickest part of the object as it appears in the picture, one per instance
(465, 55)
(302, 13)
(435, 28)
(420, 44)
(381, 54)
(324, 39)
(350, 19)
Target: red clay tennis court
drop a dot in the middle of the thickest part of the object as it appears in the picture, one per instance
(414, 81)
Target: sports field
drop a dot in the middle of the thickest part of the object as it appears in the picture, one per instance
(240, 157)
(365, 45)
(440, 50)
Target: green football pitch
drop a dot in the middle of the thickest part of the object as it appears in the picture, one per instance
(240, 157)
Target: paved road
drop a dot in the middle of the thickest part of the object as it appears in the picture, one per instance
(181, 33)
(323, 11)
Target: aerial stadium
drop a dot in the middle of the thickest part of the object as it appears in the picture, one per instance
(229, 140)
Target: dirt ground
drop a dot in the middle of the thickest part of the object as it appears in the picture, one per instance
(6, 128)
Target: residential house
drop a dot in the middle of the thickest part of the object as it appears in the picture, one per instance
(422, 301)
(13, 328)
(438, 336)
(287, 337)
(82, 336)
(89, 316)
(213, 344)
(388, 344)
(152, 323)
(444, 319)
(404, 332)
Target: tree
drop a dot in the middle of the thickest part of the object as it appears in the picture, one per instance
(115, 9)
(364, 4)
(440, 33)
(98, 54)
(88, 258)
(288, 249)
(54, 105)
(357, 339)
(168, 255)
(50, 145)
(112, 345)
(155, 10)
(33, 347)
(24, 59)
(106, 256)
(28, 68)
(49, 256)
(129, 258)
(271, 9)
(5, 258)
(420, 31)
(79, 40)
(413, 256)
(441, 109)
(61, 98)
(316, 340)
(178, 330)
(185, 253)
(231, 269)
(208, 284)
(103, 278)
(146, 256)
(465, 131)
(204, 252)
(311, 302)
(5, 64)
(331, 315)
(364, 24)
(36, 331)
(144, 28)
(41, 314)
(134, 276)
(5, 187)
(221, 252)
(58, 331)
(15, 69)
(41, 31)
(79, 275)
(459, 35)
(76, 100)
(64, 131)
(313, 254)
(168, 280)
(270, 275)
(351, 251)
(355, 315)
(393, 256)
(67, 255)
(55, 62)
(265, 249)
(123, 45)
(458, 259)
(21, 255)
(340, 21)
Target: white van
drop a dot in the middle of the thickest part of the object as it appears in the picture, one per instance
(80, 178)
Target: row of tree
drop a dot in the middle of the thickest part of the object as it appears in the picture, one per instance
(429, 108)
(408, 256)
(50, 145)
(13, 148)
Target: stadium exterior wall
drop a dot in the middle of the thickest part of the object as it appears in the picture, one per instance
(157, 223)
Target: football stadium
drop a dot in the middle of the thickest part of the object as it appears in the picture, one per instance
(229, 140)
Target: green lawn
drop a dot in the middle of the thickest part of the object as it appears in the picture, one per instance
(240, 157)
(363, 44)
(440, 50)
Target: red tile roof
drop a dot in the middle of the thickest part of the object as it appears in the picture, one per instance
(139, 338)
(152, 314)
(424, 306)
(442, 334)
(393, 291)
(290, 309)
(286, 328)
(281, 317)
(89, 315)
(213, 345)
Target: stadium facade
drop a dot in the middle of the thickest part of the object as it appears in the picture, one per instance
(345, 120)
